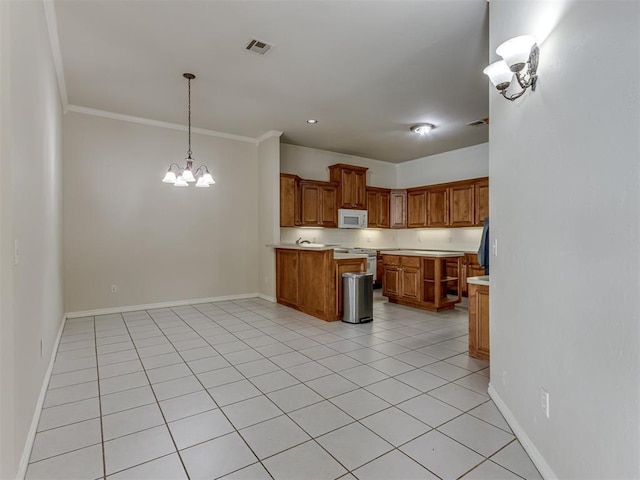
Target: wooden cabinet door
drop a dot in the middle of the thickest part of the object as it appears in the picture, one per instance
(310, 204)
(398, 209)
(373, 209)
(379, 269)
(383, 210)
(461, 212)
(391, 282)
(352, 183)
(289, 200)
(438, 207)
(481, 201)
(328, 212)
(360, 183)
(410, 283)
(417, 209)
(479, 340)
(287, 276)
(349, 189)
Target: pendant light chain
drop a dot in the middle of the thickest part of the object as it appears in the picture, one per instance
(189, 151)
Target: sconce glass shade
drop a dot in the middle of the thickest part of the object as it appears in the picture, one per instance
(180, 182)
(187, 175)
(516, 51)
(208, 178)
(499, 74)
(169, 177)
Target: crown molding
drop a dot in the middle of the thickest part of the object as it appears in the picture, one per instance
(54, 40)
(267, 135)
(156, 123)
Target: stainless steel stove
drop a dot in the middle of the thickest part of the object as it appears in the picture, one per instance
(371, 259)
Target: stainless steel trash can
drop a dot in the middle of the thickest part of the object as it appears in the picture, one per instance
(357, 297)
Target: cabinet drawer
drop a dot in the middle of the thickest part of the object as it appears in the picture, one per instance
(411, 261)
(391, 260)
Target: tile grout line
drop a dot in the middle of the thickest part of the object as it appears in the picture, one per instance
(166, 424)
(104, 459)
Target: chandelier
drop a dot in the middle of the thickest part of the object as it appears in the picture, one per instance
(187, 175)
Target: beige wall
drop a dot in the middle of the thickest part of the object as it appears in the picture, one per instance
(31, 308)
(156, 242)
(312, 164)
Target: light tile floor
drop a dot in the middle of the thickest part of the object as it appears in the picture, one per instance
(248, 389)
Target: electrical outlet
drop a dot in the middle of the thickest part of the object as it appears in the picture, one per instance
(495, 247)
(419, 239)
(368, 239)
(114, 289)
(313, 240)
(544, 401)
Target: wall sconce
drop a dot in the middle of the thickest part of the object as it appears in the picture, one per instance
(519, 57)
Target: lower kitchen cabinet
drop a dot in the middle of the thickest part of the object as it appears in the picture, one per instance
(311, 281)
(479, 321)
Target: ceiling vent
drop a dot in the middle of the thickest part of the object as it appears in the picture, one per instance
(258, 47)
(477, 123)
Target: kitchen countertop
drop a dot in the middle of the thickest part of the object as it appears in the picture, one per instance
(316, 248)
(482, 280)
(423, 253)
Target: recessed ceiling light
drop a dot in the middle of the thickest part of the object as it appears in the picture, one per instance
(422, 128)
(311, 121)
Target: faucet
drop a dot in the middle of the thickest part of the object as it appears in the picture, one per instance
(298, 242)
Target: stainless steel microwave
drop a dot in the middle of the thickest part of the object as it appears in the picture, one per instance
(352, 218)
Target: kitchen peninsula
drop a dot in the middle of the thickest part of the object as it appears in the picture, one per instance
(309, 278)
(418, 278)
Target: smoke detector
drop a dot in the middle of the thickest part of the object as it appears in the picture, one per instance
(477, 123)
(258, 47)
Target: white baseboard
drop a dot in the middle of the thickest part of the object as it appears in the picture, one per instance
(31, 436)
(535, 455)
(267, 298)
(150, 306)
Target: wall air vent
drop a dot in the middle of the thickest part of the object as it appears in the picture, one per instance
(258, 47)
(477, 123)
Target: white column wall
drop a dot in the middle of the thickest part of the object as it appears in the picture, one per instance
(564, 164)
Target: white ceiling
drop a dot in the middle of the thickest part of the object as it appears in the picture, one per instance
(366, 70)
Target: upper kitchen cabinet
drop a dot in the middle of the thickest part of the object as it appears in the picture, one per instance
(455, 204)
(318, 204)
(398, 209)
(461, 205)
(378, 207)
(481, 200)
(417, 208)
(289, 200)
(437, 207)
(352, 184)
